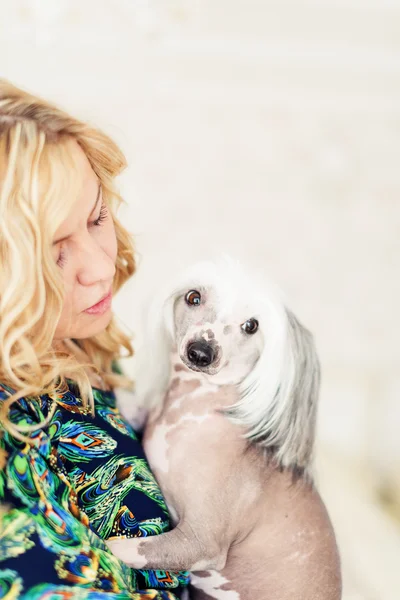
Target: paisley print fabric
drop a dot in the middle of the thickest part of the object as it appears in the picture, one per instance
(82, 480)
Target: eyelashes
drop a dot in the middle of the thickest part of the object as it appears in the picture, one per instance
(62, 259)
(102, 216)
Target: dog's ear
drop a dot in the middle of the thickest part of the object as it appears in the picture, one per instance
(153, 357)
(279, 398)
(299, 392)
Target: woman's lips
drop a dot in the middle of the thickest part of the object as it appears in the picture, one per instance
(101, 307)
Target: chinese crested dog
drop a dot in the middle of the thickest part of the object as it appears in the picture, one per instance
(229, 380)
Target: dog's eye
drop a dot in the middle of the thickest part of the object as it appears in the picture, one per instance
(193, 298)
(250, 326)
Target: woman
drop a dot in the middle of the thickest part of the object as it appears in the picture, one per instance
(74, 472)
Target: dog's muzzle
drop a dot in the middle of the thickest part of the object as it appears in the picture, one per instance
(200, 354)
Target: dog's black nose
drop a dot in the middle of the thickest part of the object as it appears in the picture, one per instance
(200, 354)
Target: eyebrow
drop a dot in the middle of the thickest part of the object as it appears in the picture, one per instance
(65, 237)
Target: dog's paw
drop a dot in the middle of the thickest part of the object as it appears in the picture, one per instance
(128, 551)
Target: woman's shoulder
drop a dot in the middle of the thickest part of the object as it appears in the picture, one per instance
(26, 410)
(32, 426)
(88, 472)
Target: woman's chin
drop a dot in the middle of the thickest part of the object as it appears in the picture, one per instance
(93, 325)
(83, 326)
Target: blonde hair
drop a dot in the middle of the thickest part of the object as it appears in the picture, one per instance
(39, 182)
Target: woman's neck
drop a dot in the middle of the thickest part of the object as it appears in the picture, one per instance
(71, 347)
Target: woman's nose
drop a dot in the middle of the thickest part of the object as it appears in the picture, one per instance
(97, 263)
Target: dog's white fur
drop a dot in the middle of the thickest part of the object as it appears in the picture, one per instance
(278, 397)
(255, 406)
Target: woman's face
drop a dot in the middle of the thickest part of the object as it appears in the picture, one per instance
(85, 249)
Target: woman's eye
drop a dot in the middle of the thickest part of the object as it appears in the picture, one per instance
(102, 216)
(193, 298)
(62, 259)
(250, 326)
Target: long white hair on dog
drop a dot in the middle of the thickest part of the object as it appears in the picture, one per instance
(278, 397)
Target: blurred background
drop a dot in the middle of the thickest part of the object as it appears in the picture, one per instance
(269, 130)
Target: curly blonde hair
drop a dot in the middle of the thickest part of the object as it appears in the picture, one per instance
(38, 185)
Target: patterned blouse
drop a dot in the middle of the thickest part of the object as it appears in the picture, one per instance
(83, 480)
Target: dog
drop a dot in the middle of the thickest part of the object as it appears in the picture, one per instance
(230, 382)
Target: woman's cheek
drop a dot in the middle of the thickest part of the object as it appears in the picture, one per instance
(111, 244)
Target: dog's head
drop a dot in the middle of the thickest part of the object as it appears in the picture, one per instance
(227, 324)
(223, 319)
(216, 332)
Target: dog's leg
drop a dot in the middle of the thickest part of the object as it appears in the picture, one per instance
(177, 550)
